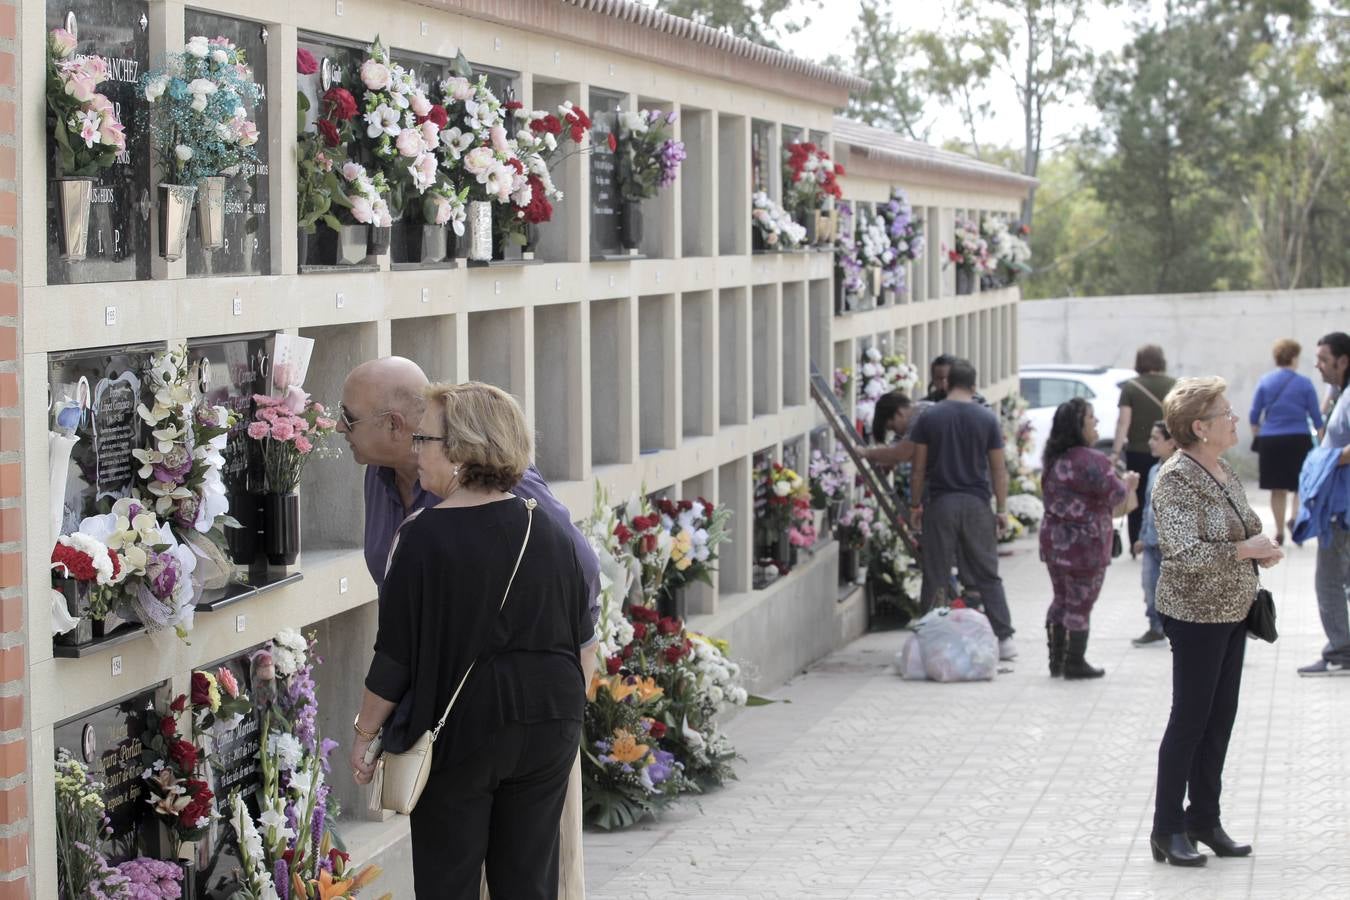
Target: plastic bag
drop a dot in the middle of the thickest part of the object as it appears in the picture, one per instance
(909, 661)
(957, 645)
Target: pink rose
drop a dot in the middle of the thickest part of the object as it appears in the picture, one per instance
(80, 86)
(431, 135)
(258, 430)
(247, 132)
(282, 431)
(374, 75)
(295, 399)
(303, 444)
(362, 210)
(62, 43)
(112, 134)
(409, 143)
(420, 104)
(352, 171)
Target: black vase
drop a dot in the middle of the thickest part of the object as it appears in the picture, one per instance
(784, 551)
(242, 542)
(302, 248)
(281, 528)
(671, 602)
(320, 248)
(848, 565)
(964, 281)
(630, 225)
(418, 243)
(378, 243)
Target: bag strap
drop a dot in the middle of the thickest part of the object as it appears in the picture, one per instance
(530, 504)
(1229, 497)
(1139, 384)
(1276, 398)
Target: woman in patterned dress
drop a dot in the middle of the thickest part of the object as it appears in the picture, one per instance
(1081, 489)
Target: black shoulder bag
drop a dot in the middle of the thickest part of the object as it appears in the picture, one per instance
(1261, 617)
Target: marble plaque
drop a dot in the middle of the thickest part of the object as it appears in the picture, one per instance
(108, 742)
(605, 198)
(119, 219)
(248, 247)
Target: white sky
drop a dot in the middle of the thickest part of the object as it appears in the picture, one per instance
(828, 32)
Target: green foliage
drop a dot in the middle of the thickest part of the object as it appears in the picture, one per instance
(760, 21)
(884, 54)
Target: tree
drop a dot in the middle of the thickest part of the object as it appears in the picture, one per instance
(761, 21)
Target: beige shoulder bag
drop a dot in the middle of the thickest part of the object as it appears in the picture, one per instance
(401, 777)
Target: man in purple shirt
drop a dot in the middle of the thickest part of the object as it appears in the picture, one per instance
(381, 405)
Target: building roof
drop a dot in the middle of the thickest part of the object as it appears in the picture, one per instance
(890, 148)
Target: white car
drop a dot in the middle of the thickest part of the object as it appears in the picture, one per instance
(1045, 387)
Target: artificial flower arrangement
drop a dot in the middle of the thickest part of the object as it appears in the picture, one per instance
(201, 131)
(648, 157)
(774, 226)
(1009, 249)
(788, 510)
(289, 428)
(848, 260)
(320, 150)
(1017, 437)
(85, 125)
(880, 374)
(892, 569)
(840, 382)
(697, 528)
(82, 869)
(649, 544)
(180, 798)
(541, 146)
(810, 187)
(970, 252)
(828, 479)
(855, 525)
(906, 237)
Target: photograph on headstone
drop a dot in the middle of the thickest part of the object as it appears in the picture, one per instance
(100, 230)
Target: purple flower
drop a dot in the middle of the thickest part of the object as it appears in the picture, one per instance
(672, 154)
(173, 474)
(316, 826)
(325, 750)
(662, 766)
(162, 570)
(281, 877)
(670, 119)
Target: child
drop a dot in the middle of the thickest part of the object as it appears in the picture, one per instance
(1161, 445)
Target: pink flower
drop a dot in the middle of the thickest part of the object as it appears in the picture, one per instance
(498, 135)
(266, 400)
(247, 132)
(409, 142)
(305, 63)
(324, 424)
(227, 682)
(268, 414)
(62, 43)
(362, 210)
(319, 408)
(420, 104)
(303, 444)
(258, 430)
(374, 75)
(282, 431)
(112, 134)
(431, 135)
(80, 86)
(295, 399)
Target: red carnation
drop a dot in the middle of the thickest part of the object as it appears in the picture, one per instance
(579, 117)
(167, 726)
(329, 132)
(201, 689)
(517, 165)
(539, 210)
(183, 754)
(668, 625)
(513, 105)
(612, 141)
(640, 630)
(305, 63)
(78, 564)
(613, 665)
(179, 703)
(622, 533)
(673, 654)
(549, 124)
(657, 729)
(438, 116)
(838, 169)
(339, 104)
(686, 505)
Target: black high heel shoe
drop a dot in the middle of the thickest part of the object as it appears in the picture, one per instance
(1176, 849)
(1218, 840)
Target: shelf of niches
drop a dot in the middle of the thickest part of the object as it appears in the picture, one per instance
(334, 582)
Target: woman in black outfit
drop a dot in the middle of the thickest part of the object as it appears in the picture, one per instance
(500, 765)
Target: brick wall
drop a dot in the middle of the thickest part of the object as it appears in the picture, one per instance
(14, 761)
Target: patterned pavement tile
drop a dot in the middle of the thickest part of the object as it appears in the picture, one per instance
(868, 787)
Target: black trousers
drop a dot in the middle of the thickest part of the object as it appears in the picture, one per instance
(1206, 680)
(1141, 463)
(500, 806)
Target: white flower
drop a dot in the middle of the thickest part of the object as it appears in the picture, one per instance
(198, 46)
(352, 171)
(154, 89)
(201, 89)
(183, 152)
(382, 120)
(634, 123)
(285, 748)
(375, 75)
(219, 56)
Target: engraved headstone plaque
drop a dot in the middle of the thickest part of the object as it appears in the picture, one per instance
(605, 199)
(108, 742)
(247, 249)
(119, 218)
(761, 145)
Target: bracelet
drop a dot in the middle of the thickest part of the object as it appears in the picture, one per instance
(368, 735)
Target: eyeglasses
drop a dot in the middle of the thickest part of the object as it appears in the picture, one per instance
(419, 439)
(1226, 414)
(349, 423)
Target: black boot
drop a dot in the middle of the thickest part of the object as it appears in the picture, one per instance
(1055, 640)
(1075, 666)
(1176, 849)
(1218, 840)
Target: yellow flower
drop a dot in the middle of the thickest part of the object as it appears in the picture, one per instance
(647, 689)
(619, 688)
(626, 749)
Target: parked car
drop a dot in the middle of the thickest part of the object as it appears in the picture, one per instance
(1045, 387)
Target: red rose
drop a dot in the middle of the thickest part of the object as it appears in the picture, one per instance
(339, 104)
(183, 754)
(673, 654)
(613, 665)
(622, 533)
(201, 689)
(612, 141)
(329, 132)
(657, 729)
(648, 543)
(668, 625)
(305, 63)
(643, 614)
(513, 105)
(199, 790)
(179, 703)
(639, 630)
(627, 651)
(168, 726)
(438, 116)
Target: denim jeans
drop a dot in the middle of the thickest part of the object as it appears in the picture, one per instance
(1152, 565)
(1333, 578)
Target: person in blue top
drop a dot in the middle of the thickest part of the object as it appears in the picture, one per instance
(1282, 408)
(1161, 445)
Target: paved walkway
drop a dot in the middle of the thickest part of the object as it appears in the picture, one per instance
(866, 786)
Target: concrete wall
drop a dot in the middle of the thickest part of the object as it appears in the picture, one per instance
(1229, 335)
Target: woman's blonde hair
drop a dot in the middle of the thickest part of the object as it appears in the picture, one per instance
(485, 433)
(1285, 351)
(1187, 403)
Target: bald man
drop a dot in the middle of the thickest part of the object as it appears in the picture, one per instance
(382, 403)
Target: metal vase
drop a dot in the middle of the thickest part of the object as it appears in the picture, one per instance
(352, 241)
(73, 199)
(175, 208)
(211, 212)
(480, 230)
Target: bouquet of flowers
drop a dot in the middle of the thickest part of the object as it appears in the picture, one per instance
(810, 177)
(81, 826)
(785, 487)
(773, 225)
(848, 257)
(842, 380)
(475, 146)
(696, 528)
(856, 525)
(539, 148)
(200, 102)
(180, 799)
(1017, 437)
(217, 701)
(442, 204)
(617, 575)
(1027, 509)
(289, 429)
(1008, 248)
(648, 157)
(829, 482)
(359, 196)
(96, 571)
(906, 237)
(880, 374)
(88, 133)
(649, 544)
(970, 253)
(320, 151)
